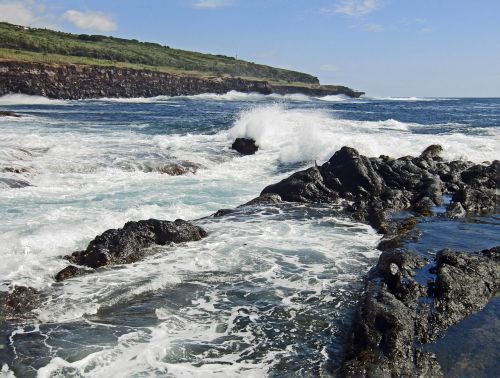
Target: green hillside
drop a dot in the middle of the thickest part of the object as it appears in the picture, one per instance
(58, 47)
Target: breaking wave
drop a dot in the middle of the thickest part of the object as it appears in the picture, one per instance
(303, 135)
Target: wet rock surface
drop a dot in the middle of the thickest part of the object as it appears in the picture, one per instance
(19, 301)
(374, 186)
(128, 244)
(8, 113)
(13, 183)
(397, 313)
(245, 146)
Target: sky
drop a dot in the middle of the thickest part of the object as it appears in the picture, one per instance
(432, 48)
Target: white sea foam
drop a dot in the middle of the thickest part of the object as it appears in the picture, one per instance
(410, 99)
(229, 96)
(305, 135)
(261, 251)
(335, 98)
(137, 100)
(86, 181)
(21, 99)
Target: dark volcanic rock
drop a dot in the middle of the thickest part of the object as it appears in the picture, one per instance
(465, 283)
(383, 337)
(128, 244)
(74, 81)
(68, 272)
(376, 185)
(19, 301)
(397, 312)
(303, 186)
(264, 199)
(175, 169)
(392, 318)
(351, 174)
(432, 152)
(7, 113)
(245, 146)
(18, 170)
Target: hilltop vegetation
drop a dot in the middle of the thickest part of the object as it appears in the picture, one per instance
(59, 47)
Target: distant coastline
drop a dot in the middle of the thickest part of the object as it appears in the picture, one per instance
(76, 81)
(62, 65)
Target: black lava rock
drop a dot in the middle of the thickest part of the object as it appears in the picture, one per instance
(128, 244)
(245, 146)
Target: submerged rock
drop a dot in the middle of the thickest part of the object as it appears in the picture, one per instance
(17, 170)
(128, 244)
(245, 146)
(13, 183)
(175, 169)
(8, 113)
(19, 301)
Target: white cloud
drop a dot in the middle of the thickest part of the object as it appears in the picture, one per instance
(426, 30)
(90, 20)
(328, 68)
(26, 13)
(356, 8)
(212, 4)
(374, 28)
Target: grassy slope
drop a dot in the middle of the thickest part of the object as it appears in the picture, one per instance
(47, 46)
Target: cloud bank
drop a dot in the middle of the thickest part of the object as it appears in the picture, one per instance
(90, 20)
(212, 4)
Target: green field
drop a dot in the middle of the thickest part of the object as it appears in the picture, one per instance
(47, 46)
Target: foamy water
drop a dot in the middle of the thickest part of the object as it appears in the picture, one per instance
(265, 290)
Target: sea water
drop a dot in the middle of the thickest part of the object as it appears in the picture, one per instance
(270, 291)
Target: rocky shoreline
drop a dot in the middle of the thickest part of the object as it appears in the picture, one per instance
(399, 311)
(73, 81)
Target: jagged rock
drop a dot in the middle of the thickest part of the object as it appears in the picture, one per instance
(432, 152)
(68, 272)
(303, 186)
(19, 301)
(423, 206)
(77, 81)
(465, 283)
(375, 185)
(392, 319)
(245, 146)
(264, 199)
(18, 170)
(8, 113)
(222, 212)
(175, 169)
(128, 244)
(348, 172)
(476, 200)
(382, 339)
(455, 210)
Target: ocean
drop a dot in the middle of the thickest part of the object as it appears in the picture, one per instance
(271, 290)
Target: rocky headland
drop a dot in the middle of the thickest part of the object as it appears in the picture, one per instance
(73, 81)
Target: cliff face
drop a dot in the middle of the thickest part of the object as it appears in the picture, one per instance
(82, 81)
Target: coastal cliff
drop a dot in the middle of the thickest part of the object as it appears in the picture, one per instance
(73, 81)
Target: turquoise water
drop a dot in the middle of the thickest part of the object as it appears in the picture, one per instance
(269, 291)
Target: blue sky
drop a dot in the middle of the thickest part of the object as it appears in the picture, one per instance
(383, 47)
